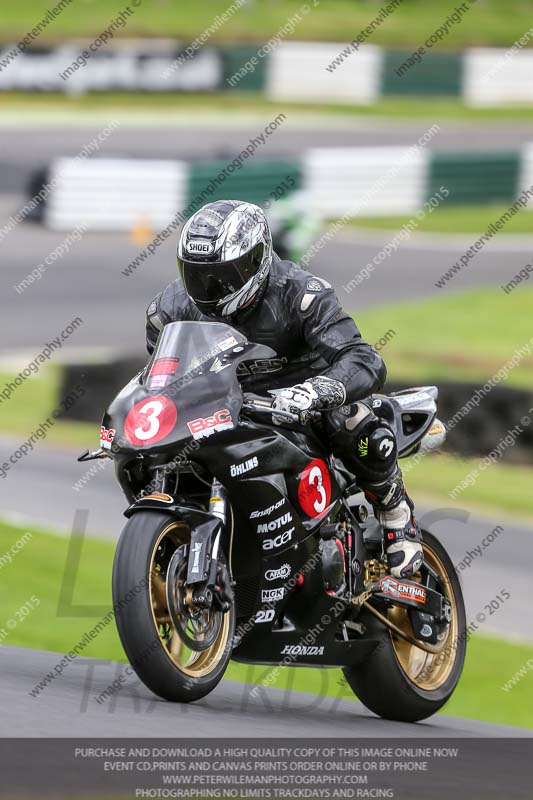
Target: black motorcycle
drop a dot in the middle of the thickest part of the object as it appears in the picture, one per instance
(246, 539)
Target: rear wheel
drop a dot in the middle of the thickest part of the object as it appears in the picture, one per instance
(400, 681)
(148, 630)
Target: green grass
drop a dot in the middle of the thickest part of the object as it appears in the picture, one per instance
(455, 219)
(491, 22)
(453, 336)
(45, 106)
(501, 488)
(33, 401)
(38, 570)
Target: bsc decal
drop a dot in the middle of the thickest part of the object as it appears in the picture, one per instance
(202, 427)
(314, 489)
(106, 437)
(150, 420)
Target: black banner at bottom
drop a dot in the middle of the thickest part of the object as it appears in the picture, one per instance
(436, 769)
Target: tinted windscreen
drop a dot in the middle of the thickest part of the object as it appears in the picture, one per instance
(184, 347)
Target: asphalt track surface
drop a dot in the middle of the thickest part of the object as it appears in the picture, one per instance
(89, 283)
(68, 708)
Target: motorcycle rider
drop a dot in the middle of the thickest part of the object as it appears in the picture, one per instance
(229, 273)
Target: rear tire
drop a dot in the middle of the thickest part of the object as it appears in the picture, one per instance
(150, 641)
(399, 681)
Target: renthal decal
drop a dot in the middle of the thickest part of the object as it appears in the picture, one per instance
(244, 466)
(279, 541)
(163, 498)
(106, 437)
(265, 615)
(197, 246)
(275, 524)
(409, 591)
(272, 595)
(266, 511)
(150, 420)
(301, 650)
(314, 489)
(195, 552)
(261, 366)
(206, 426)
(281, 573)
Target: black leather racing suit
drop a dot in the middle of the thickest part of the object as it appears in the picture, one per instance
(301, 319)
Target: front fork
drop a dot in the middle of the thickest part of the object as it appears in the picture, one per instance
(207, 577)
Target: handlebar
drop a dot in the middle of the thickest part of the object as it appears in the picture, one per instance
(261, 405)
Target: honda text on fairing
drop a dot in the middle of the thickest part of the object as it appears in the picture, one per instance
(245, 539)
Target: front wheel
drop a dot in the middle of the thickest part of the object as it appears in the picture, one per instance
(165, 664)
(399, 681)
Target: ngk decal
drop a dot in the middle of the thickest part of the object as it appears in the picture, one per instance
(106, 437)
(301, 650)
(278, 574)
(314, 489)
(279, 541)
(272, 595)
(275, 524)
(202, 427)
(150, 420)
(244, 466)
(267, 511)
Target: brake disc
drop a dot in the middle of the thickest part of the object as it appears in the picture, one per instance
(197, 627)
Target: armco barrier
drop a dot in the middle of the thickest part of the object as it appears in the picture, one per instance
(476, 434)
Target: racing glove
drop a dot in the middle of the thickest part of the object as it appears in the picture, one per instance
(316, 394)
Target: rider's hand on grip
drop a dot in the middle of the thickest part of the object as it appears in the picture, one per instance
(300, 400)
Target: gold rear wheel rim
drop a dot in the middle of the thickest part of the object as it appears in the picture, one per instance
(427, 671)
(193, 663)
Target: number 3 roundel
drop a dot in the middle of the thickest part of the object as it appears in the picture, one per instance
(314, 489)
(150, 420)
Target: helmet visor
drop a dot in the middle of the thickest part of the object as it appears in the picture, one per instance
(210, 283)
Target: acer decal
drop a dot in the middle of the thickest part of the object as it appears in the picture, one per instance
(206, 426)
(314, 489)
(150, 420)
(279, 541)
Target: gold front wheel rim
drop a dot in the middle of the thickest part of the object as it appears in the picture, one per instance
(427, 671)
(193, 663)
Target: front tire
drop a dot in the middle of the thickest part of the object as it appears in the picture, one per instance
(401, 682)
(161, 660)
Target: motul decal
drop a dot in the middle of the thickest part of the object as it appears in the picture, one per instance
(150, 420)
(314, 489)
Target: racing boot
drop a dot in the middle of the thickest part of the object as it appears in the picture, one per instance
(401, 534)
